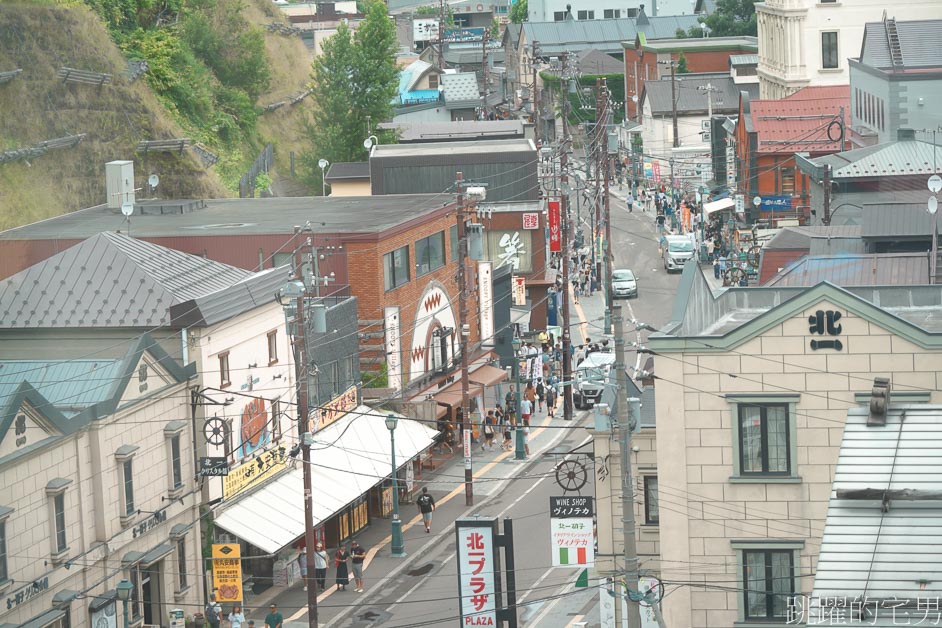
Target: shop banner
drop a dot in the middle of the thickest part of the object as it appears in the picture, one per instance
(478, 571)
(555, 225)
(227, 572)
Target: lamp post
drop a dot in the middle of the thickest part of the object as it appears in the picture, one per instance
(124, 589)
(323, 163)
(370, 142)
(398, 547)
(520, 452)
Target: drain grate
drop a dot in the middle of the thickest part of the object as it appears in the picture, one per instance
(421, 571)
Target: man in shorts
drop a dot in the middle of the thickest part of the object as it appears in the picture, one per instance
(357, 556)
(426, 506)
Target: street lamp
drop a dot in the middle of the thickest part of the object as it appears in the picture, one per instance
(520, 452)
(323, 163)
(370, 142)
(124, 589)
(398, 547)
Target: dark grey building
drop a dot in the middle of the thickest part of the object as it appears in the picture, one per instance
(509, 167)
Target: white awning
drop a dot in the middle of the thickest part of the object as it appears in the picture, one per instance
(720, 205)
(348, 458)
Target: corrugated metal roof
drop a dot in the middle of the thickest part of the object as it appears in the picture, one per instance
(918, 42)
(897, 220)
(907, 157)
(799, 123)
(461, 88)
(580, 34)
(738, 60)
(792, 238)
(592, 61)
(883, 269)
(253, 291)
(742, 43)
(451, 131)
(867, 553)
(692, 99)
(349, 170)
(411, 74)
(69, 385)
(109, 280)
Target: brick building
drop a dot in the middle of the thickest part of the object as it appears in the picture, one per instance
(647, 59)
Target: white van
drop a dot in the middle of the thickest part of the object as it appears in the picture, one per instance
(676, 250)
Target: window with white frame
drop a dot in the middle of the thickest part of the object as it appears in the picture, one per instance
(272, 347)
(182, 583)
(173, 432)
(829, 53)
(59, 541)
(125, 459)
(764, 436)
(585, 15)
(4, 570)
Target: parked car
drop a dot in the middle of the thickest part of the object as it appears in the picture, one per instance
(624, 284)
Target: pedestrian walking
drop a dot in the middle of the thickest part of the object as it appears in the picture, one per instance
(631, 203)
(716, 268)
(340, 564)
(526, 440)
(540, 394)
(320, 567)
(302, 565)
(575, 294)
(426, 506)
(490, 427)
(213, 612)
(274, 619)
(236, 617)
(507, 445)
(357, 556)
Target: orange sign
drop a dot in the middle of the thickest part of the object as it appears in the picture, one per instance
(227, 572)
(338, 407)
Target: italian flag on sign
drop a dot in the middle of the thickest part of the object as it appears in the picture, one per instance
(572, 556)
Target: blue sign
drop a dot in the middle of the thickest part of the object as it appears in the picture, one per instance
(775, 203)
(464, 34)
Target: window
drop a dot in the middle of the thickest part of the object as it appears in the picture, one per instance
(176, 467)
(433, 81)
(396, 268)
(127, 471)
(829, 58)
(4, 572)
(763, 433)
(224, 370)
(768, 578)
(559, 16)
(585, 15)
(272, 347)
(651, 515)
(181, 564)
(58, 507)
(134, 575)
(788, 181)
(609, 14)
(453, 241)
(429, 253)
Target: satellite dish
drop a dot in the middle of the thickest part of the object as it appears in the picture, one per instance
(932, 205)
(323, 163)
(935, 183)
(152, 181)
(368, 143)
(127, 208)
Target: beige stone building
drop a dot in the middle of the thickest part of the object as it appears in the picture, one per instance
(96, 461)
(753, 389)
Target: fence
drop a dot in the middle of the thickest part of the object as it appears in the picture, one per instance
(263, 163)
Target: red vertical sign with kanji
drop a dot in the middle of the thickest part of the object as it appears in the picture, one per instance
(555, 226)
(478, 571)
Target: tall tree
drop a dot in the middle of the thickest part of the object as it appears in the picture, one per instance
(376, 77)
(682, 64)
(731, 18)
(519, 12)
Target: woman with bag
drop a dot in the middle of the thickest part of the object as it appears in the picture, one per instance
(490, 421)
(340, 562)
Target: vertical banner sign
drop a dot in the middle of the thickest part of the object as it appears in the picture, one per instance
(227, 572)
(554, 222)
(656, 170)
(393, 349)
(519, 290)
(572, 536)
(478, 571)
(486, 303)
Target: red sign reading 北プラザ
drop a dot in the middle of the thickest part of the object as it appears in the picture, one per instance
(338, 407)
(478, 571)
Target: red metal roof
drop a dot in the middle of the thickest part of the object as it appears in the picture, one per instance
(800, 122)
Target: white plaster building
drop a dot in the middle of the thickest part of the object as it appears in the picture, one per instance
(96, 486)
(808, 42)
(555, 10)
(753, 389)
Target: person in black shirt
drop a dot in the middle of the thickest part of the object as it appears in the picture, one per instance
(426, 506)
(357, 556)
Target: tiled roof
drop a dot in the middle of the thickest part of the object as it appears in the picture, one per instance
(691, 99)
(800, 122)
(918, 42)
(592, 61)
(109, 280)
(884, 269)
(461, 89)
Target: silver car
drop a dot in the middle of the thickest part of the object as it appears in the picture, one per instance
(624, 284)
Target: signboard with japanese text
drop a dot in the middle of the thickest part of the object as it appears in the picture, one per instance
(258, 469)
(486, 303)
(519, 290)
(425, 29)
(464, 34)
(554, 223)
(213, 467)
(531, 220)
(393, 347)
(338, 407)
(775, 203)
(510, 248)
(656, 170)
(478, 571)
(227, 572)
(572, 533)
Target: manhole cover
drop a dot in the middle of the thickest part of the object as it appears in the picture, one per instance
(368, 616)
(421, 571)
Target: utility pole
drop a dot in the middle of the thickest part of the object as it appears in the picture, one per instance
(709, 88)
(597, 158)
(674, 108)
(305, 421)
(462, 323)
(484, 57)
(534, 51)
(827, 195)
(564, 217)
(441, 34)
(603, 157)
(628, 410)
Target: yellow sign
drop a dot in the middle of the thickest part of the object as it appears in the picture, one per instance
(227, 572)
(257, 470)
(338, 407)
